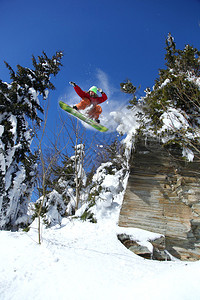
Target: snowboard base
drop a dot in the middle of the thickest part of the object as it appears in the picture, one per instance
(82, 117)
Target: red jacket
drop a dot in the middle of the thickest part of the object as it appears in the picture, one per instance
(93, 100)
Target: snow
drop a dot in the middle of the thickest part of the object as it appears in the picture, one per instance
(82, 260)
(86, 261)
(55, 207)
(1, 130)
(174, 119)
(126, 120)
(165, 82)
(35, 94)
(188, 153)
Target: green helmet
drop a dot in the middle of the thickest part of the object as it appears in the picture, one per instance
(93, 89)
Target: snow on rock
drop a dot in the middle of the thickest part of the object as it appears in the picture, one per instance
(137, 234)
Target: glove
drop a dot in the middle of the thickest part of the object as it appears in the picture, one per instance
(72, 83)
(100, 90)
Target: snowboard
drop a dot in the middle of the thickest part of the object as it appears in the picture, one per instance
(82, 117)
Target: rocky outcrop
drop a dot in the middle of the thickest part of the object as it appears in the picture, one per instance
(157, 250)
(163, 196)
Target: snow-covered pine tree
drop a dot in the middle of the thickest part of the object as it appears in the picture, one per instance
(72, 182)
(20, 105)
(68, 188)
(173, 106)
(128, 88)
(107, 182)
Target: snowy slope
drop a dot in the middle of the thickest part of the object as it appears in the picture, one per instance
(81, 260)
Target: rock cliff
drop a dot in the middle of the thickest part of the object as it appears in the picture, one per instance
(163, 196)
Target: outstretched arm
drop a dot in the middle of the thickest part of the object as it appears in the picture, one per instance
(103, 97)
(78, 90)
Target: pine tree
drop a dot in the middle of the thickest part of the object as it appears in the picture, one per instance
(113, 152)
(107, 182)
(20, 106)
(176, 96)
(128, 88)
(70, 179)
(67, 189)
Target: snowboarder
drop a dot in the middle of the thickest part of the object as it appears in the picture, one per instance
(90, 100)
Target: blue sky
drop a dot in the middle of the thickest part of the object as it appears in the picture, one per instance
(104, 41)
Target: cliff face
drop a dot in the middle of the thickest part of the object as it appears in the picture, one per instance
(163, 196)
